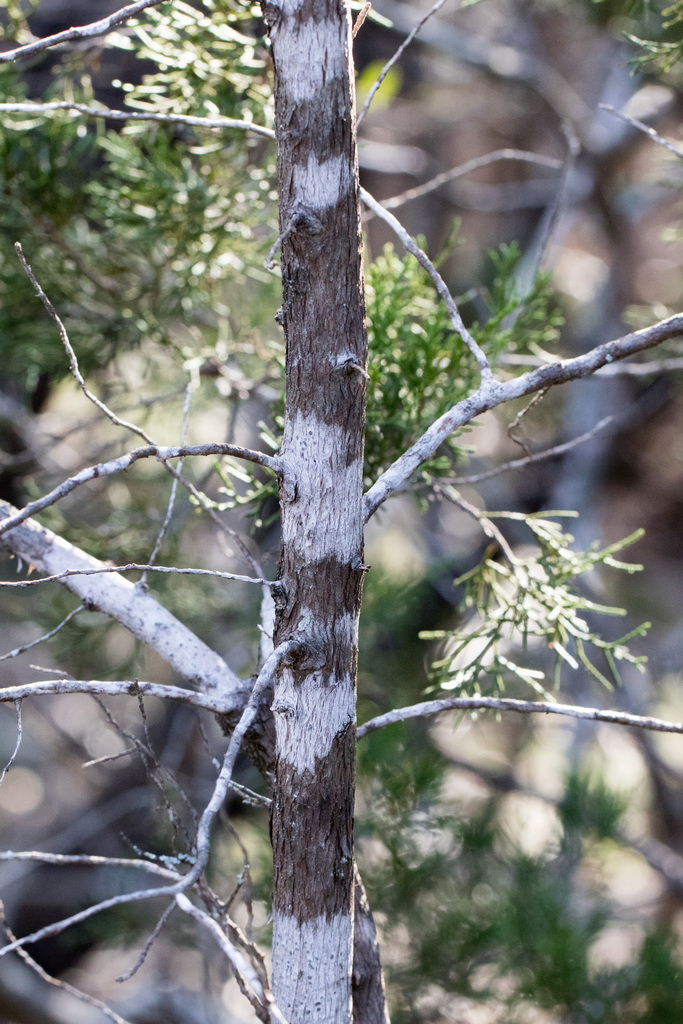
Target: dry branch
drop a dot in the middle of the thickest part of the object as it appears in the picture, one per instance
(441, 287)
(491, 394)
(109, 114)
(170, 569)
(91, 31)
(140, 613)
(461, 170)
(102, 469)
(116, 688)
(239, 964)
(524, 707)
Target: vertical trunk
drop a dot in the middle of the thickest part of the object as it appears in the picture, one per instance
(321, 567)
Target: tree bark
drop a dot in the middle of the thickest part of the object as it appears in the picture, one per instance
(321, 569)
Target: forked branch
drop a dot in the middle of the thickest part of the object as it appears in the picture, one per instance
(138, 611)
(491, 394)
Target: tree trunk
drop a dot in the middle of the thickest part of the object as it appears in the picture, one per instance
(321, 568)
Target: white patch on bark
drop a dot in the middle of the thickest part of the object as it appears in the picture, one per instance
(328, 522)
(320, 185)
(307, 983)
(289, 7)
(307, 733)
(323, 63)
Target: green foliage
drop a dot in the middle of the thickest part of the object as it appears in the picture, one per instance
(516, 322)
(133, 233)
(467, 913)
(419, 367)
(654, 26)
(204, 64)
(523, 601)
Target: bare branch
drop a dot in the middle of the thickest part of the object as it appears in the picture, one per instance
(491, 394)
(17, 745)
(547, 453)
(238, 962)
(91, 31)
(392, 60)
(362, 15)
(441, 287)
(116, 688)
(223, 782)
(109, 114)
(73, 361)
(64, 986)
(88, 860)
(160, 453)
(46, 636)
(127, 975)
(265, 678)
(642, 127)
(142, 582)
(67, 573)
(139, 612)
(614, 370)
(459, 172)
(524, 707)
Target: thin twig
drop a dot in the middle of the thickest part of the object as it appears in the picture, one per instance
(156, 772)
(282, 237)
(93, 30)
(281, 654)
(553, 214)
(64, 986)
(226, 530)
(238, 962)
(441, 287)
(524, 707)
(471, 165)
(173, 570)
(392, 60)
(46, 636)
(358, 23)
(127, 975)
(17, 745)
(250, 797)
(512, 426)
(491, 394)
(490, 528)
(123, 462)
(211, 123)
(88, 860)
(547, 453)
(642, 127)
(108, 758)
(142, 582)
(73, 361)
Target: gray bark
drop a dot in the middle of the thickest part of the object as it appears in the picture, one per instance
(321, 569)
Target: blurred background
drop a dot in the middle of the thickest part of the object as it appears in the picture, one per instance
(520, 870)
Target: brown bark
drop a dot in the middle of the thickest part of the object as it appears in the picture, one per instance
(321, 569)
